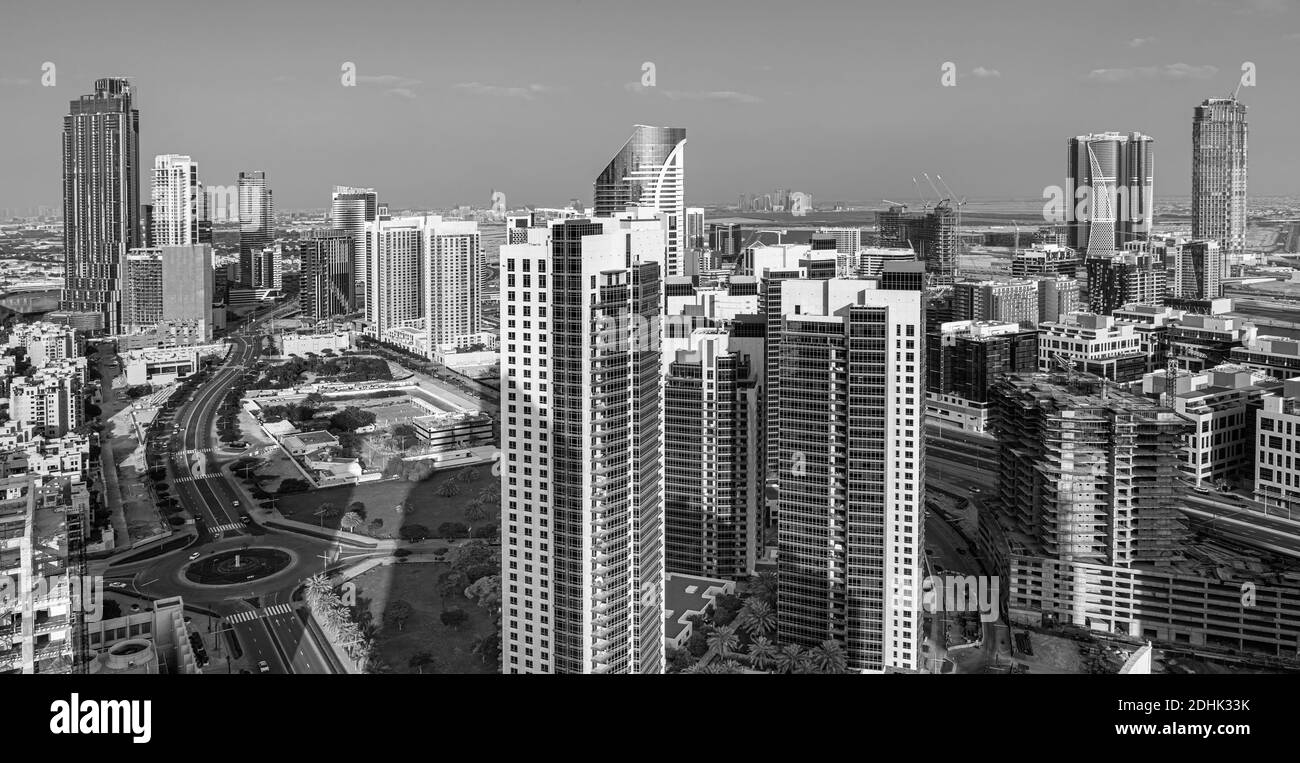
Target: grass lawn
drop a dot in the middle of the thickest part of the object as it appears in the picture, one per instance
(417, 584)
(382, 499)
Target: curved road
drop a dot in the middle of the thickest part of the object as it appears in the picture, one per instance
(260, 613)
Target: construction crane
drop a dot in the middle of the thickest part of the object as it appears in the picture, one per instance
(1171, 375)
(925, 205)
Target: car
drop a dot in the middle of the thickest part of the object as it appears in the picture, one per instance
(1201, 489)
(235, 504)
(116, 584)
(262, 667)
(195, 555)
(1232, 497)
(976, 490)
(246, 519)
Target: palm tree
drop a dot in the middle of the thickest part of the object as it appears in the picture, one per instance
(789, 658)
(317, 585)
(723, 641)
(829, 657)
(763, 586)
(761, 652)
(757, 617)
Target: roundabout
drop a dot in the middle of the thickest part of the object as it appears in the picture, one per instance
(238, 566)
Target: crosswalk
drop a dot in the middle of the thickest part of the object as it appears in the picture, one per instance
(196, 479)
(226, 527)
(182, 453)
(244, 617)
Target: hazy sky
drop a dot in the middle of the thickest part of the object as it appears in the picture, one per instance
(839, 99)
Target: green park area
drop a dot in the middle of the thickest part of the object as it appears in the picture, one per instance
(422, 620)
(448, 504)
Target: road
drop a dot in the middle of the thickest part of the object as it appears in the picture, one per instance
(260, 613)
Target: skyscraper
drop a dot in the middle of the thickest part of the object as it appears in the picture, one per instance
(851, 530)
(169, 288)
(932, 234)
(1197, 270)
(451, 274)
(583, 564)
(101, 197)
(326, 280)
(180, 209)
(256, 229)
(350, 210)
(650, 171)
(1108, 191)
(1219, 173)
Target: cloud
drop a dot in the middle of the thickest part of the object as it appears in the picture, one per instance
(402, 92)
(980, 71)
(1171, 72)
(528, 92)
(1138, 42)
(730, 96)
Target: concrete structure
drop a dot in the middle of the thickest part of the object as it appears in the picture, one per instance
(351, 209)
(328, 279)
(301, 344)
(686, 596)
(45, 343)
(852, 480)
(1276, 356)
(455, 429)
(712, 485)
(650, 172)
(159, 366)
(580, 432)
(50, 399)
(305, 443)
(1197, 271)
(932, 234)
(1108, 193)
(1124, 279)
(1277, 448)
(179, 214)
(1221, 403)
(1046, 260)
(1219, 173)
(152, 642)
(44, 600)
(101, 198)
(170, 286)
(997, 301)
(1095, 344)
(963, 358)
(256, 230)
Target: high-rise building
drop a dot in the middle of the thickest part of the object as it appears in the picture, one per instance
(180, 206)
(351, 209)
(712, 490)
(650, 171)
(169, 287)
(852, 484)
(101, 197)
(1122, 279)
(256, 229)
(582, 502)
(1058, 296)
(963, 358)
(326, 283)
(1088, 474)
(695, 230)
(1197, 270)
(452, 269)
(1219, 166)
(394, 290)
(1108, 194)
(999, 301)
(932, 234)
(1045, 260)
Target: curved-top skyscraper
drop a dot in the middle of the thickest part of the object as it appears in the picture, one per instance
(650, 171)
(1116, 173)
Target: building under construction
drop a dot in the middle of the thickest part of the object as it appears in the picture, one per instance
(1088, 472)
(932, 234)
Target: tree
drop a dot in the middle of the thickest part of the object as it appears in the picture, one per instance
(421, 660)
(486, 591)
(828, 657)
(350, 521)
(757, 617)
(351, 418)
(723, 641)
(763, 585)
(679, 660)
(788, 658)
(762, 652)
(454, 617)
(399, 612)
(451, 584)
(488, 648)
(358, 508)
(452, 530)
(475, 512)
(413, 533)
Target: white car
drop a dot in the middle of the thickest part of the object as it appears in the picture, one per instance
(235, 504)
(117, 584)
(195, 555)
(262, 667)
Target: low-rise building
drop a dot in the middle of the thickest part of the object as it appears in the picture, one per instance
(1094, 344)
(160, 366)
(454, 429)
(301, 344)
(686, 596)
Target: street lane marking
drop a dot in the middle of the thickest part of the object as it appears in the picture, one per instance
(244, 617)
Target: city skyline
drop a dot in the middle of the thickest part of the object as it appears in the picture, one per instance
(1145, 77)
